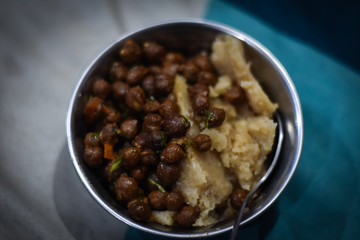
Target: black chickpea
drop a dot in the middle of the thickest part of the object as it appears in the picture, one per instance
(126, 187)
(197, 88)
(92, 140)
(119, 90)
(142, 141)
(216, 116)
(151, 106)
(200, 103)
(118, 72)
(139, 211)
(187, 216)
(157, 200)
(173, 57)
(190, 71)
(202, 142)
(152, 122)
(130, 53)
(203, 62)
(237, 198)
(155, 69)
(175, 126)
(93, 110)
(168, 173)
(174, 200)
(139, 173)
(172, 153)
(163, 84)
(207, 78)
(112, 116)
(234, 94)
(129, 128)
(131, 157)
(93, 156)
(171, 69)
(135, 98)
(136, 75)
(101, 88)
(168, 108)
(157, 139)
(148, 157)
(153, 51)
(148, 84)
(109, 134)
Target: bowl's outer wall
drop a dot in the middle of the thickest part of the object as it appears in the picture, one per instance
(192, 37)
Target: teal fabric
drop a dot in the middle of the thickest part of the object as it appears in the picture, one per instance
(322, 200)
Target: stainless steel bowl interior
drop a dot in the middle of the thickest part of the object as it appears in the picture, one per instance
(191, 37)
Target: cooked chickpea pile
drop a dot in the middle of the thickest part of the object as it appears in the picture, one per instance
(136, 137)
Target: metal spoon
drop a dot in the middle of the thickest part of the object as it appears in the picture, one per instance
(280, 137)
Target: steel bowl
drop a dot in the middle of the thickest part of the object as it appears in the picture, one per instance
(191, 36)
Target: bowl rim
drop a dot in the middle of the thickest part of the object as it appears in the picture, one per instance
(222, 28)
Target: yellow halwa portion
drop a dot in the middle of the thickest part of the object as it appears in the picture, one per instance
(239, 145)
(229, 59)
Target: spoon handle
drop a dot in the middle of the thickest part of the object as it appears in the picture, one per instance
(262, 180)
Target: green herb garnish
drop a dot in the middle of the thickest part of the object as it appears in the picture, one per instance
(117, 163)
(116, 130)
(188, 143)
(186, 122)
(95, 134)
(152, 99)
(157, 185)
(210, 116)
(87, 97)
(163, 139)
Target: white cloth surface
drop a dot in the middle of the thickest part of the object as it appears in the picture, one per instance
(44, 47)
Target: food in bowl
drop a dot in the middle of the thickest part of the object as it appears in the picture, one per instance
(179, 139)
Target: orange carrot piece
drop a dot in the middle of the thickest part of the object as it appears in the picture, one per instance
(109, 151)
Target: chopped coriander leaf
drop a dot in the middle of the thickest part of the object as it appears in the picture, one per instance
(116, 130)
(188, 144)
(95, 134)
(185, 122)
(117, 163)
(157, 185)
(152, 99)
(209, 118)
(163, 139)
(87, 97)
